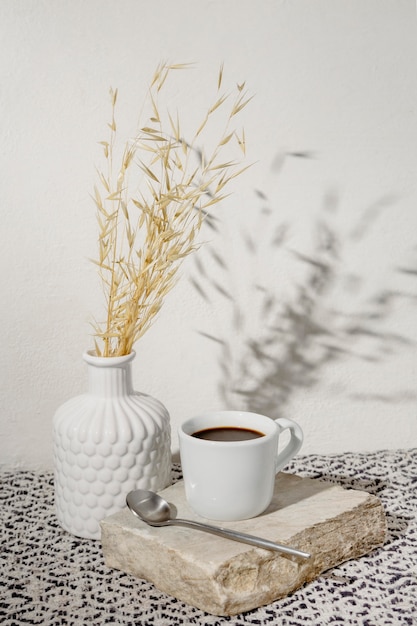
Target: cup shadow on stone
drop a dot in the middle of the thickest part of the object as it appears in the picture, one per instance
(296, 491)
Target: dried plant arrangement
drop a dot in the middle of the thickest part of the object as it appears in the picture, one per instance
(148, 227)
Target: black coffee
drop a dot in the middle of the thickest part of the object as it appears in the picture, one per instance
(227, 433)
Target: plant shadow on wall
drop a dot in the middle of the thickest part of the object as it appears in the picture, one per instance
(278, 343)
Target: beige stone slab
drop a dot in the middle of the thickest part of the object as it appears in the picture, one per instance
(223, 577)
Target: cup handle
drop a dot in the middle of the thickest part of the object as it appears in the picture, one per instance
(292, 446)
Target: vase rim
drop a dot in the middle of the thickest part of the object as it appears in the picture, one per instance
(107, 361)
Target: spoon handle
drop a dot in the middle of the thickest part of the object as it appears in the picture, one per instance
(242, 537)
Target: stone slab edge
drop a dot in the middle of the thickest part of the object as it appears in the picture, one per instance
(252, 577)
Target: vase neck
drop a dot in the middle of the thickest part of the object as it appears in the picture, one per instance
(109, 377)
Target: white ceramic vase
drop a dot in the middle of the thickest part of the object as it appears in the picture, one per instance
(107, 442)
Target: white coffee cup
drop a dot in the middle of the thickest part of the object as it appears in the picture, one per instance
(234, 480)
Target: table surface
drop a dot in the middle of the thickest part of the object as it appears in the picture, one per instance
(49, 577)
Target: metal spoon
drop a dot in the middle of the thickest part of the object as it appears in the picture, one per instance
(155, 511)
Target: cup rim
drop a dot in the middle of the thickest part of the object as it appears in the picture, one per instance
(193, 423)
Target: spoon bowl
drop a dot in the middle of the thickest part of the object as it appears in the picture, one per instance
(152, 509)
(149, 507)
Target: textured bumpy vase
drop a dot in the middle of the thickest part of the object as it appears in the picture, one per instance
(107, 442)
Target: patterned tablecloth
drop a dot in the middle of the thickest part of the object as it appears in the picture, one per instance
(49, 577)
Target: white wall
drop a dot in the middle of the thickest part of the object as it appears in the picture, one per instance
(333, 135)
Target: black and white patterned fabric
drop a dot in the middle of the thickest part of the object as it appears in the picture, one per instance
(49, 577)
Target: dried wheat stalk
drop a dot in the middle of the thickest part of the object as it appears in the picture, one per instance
(144, 235)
